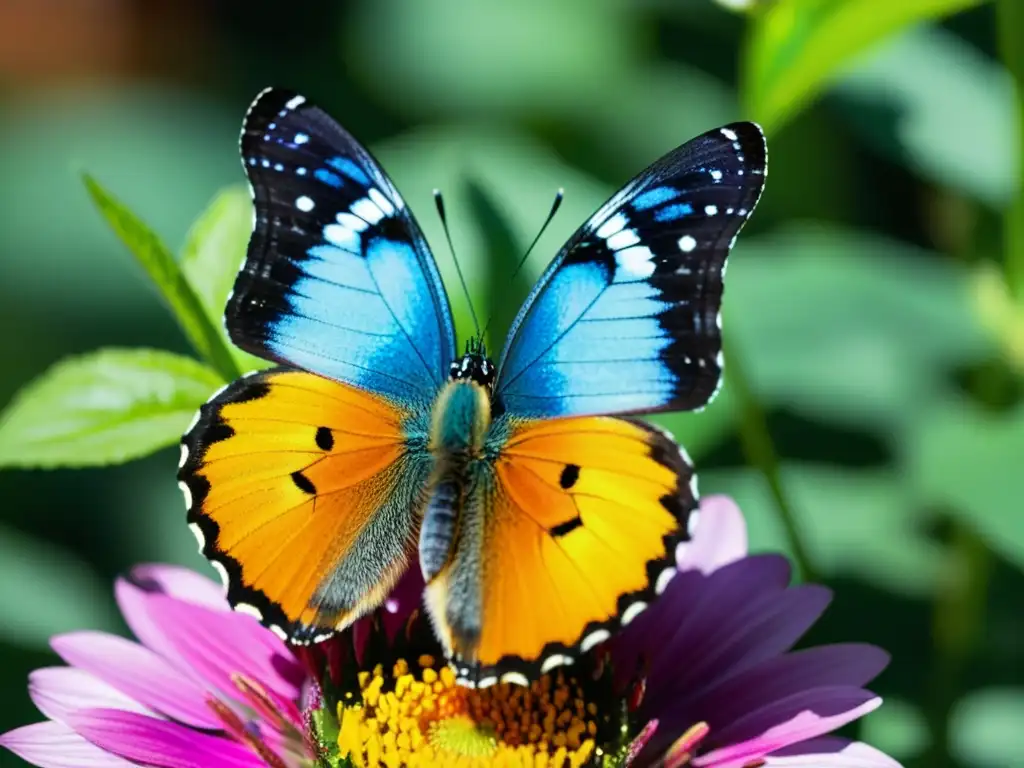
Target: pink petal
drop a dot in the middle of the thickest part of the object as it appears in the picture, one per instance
(58, 691)
(221, 644)
(136, 606)
(720, 537)
(139, 673)
(175, 581)
(805, 725)
(160, 743)
(854, 755)
(54, 745)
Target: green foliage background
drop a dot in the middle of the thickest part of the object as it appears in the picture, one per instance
(871, 425)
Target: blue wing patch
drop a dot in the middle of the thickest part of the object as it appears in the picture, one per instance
(338, 278)
(626, 318)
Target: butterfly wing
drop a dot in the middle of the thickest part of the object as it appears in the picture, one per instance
(302, 491)
(338, 278)
(626, 318)
(574, 534)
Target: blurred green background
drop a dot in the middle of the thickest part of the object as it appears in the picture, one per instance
(871, 311)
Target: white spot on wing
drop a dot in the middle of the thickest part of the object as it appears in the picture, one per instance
(349, 221)
(553, 661)
(295, 101)
(687, 243)
(663, 579)
(613, 225)
(249, 610)
(632, 612)
(594, 638)
(304, 203)
(381, 201)
(183, 457)
(198, 533)
(716, 174)
(710, 210)
(366, 210)
(623, 239)
(301, 138)
(279, 632)
(729, 134)
(186, 493)
(515, 678)
(692, 522)
(637, 261)
(221, 572)
(486, 682)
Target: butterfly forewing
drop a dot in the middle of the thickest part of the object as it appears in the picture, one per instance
(338, 278)
(626, 318)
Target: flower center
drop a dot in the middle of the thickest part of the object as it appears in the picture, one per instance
(425, 718)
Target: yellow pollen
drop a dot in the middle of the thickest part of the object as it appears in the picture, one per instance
(429, 720)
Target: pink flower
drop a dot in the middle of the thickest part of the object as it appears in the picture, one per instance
(707, 675)
(206, 686)
(720, 678)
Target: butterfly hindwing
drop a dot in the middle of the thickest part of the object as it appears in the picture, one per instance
(572, 533)
(302, 491)
(338, 278)
(626, 318)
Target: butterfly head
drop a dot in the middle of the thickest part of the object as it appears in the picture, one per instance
(474, 366)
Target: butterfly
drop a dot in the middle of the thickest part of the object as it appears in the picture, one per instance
(542, 513)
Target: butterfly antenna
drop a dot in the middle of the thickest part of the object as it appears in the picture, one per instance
(551, 214)
(439, 202)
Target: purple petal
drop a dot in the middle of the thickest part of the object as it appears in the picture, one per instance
(137, 605)
(798, 718)
(405, 598)
(139, 673)
(221, 644)
(54, 745)
(850, 755)
(778, 678)
(719, 539)
(58, 691)
(160, 743)
(181, 583)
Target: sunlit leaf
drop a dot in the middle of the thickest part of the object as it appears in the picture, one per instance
(985, 728)
(969, 462)
(167, 277)
(848, 326)
(798, 46)
(953, 123)
(212, 255)
(105, 407)
(45, 590)
(860, 522)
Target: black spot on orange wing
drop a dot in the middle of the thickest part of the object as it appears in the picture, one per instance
(303, 483)
(567, 527)
(570, 475)
(324, 438)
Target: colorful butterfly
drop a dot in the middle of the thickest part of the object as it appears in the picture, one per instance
(541, 524)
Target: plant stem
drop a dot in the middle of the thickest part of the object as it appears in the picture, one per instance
(1009, 23)
(760, 452)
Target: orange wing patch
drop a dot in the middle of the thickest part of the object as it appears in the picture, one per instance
(580, 536)
(289, 477)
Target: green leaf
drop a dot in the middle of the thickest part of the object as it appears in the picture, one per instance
(985, 728)
(968, 461)
(167, 276)
(954, 125)
(798, 46)
(106, 407)
(862, 522)
(212, 255)
(847, 326)
(45, 590)
(504, 293)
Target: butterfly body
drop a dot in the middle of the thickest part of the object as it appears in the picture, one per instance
(542, 514)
